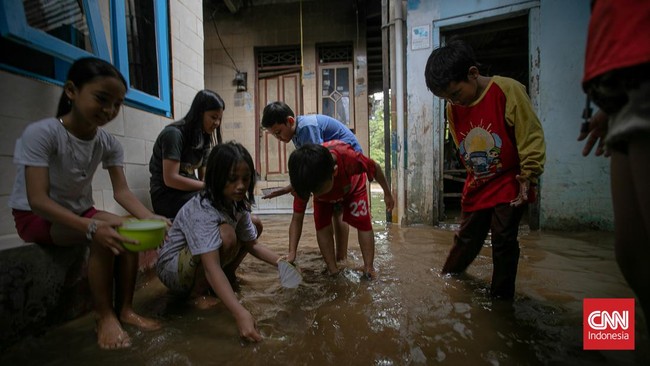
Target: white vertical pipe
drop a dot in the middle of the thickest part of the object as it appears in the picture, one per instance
(399, 100)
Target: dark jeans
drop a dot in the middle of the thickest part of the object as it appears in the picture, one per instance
(503, 221)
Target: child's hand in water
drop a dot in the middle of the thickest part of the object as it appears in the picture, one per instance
(247, 328)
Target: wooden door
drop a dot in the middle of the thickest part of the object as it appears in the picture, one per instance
(274, 154)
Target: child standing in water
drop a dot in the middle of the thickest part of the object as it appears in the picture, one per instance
(212, 234)
(501, 143)
(52, 199)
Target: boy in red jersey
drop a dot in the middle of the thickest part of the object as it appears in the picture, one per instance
(333, 173)
(501, 143)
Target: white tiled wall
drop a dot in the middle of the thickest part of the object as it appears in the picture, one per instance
(25, 100)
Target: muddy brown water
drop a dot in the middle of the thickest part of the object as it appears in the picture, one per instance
(409, 315)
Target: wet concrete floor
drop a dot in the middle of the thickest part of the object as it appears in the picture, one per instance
(409, 315)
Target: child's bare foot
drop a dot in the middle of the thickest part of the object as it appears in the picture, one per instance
(130, 317)
(326, 271)
(204, 302)
(110, 334)
(369, 274)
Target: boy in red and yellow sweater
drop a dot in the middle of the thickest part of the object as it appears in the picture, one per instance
(501, 144)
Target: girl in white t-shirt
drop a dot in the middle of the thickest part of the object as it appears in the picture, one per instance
(52, 200)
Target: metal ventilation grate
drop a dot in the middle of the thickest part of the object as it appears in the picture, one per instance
(335, 53)
(278, 57)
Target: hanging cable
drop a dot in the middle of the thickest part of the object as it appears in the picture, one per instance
(214, 22)
(301, 47)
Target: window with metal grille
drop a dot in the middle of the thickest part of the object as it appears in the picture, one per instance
(278, 57)
(335, 53)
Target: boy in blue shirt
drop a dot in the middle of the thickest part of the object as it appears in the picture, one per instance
(279, 119)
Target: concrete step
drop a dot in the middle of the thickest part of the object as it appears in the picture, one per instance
(42, 286)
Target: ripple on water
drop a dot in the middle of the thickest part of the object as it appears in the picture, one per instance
(410, 315)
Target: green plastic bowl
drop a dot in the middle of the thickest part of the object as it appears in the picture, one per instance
(150, 234)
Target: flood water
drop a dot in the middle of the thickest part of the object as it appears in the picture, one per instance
(409, 315)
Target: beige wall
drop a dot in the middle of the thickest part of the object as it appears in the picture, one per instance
(279, 25)
(26, 100)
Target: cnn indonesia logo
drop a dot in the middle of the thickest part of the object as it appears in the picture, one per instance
(608, 324)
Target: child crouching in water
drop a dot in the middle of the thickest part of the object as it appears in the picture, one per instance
(211, 235)
(334, 174)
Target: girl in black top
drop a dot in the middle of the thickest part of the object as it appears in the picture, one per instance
(180, 152)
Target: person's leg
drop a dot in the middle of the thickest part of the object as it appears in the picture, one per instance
(341, 234)
(325, 238)
(231, 253)
(323, 213)
(505, 249)
(33, 228)
(110, 334)
(630, 175)
(356, 213)
(189, 280)
(468, 241)
(200, 296)
(367, 245)
(124, 269)
(63, 235)
(258, 224)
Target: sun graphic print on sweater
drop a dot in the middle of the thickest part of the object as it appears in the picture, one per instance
(498, 137)
(481, 151)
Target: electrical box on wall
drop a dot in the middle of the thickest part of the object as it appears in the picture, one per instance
(241, 81)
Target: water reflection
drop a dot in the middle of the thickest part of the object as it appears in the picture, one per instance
(409, 315)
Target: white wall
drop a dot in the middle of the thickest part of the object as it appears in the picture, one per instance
(576, 188)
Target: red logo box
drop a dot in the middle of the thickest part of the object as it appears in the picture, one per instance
(608, 324)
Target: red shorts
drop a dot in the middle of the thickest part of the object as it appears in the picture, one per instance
(356, 211)
(35, 229)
